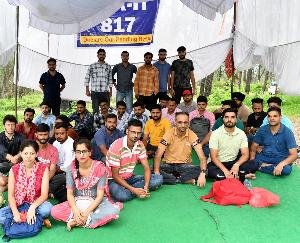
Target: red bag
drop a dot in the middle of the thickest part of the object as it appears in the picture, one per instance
(228, 192)
(261, 197)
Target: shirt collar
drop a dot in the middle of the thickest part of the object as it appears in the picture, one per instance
(235, 132)
(125, 145)
(185, 135)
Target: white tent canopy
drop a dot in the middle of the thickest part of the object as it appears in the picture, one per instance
(265, 33)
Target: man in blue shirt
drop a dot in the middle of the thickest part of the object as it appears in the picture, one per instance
(104, 137)
(279, 148)
(164, 73)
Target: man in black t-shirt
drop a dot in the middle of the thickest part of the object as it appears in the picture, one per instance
(182, 75)
(52, 83)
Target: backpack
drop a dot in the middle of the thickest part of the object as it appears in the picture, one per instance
(200, 126)
(229, 191)
(14, 230)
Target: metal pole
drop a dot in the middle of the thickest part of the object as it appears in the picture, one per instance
(17, 64)
(233, 31)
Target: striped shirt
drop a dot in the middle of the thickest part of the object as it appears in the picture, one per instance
(100, 77)
(120, 156)
(146, 81)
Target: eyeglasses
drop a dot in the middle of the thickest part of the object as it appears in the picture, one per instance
(137, 133)
(83, 152)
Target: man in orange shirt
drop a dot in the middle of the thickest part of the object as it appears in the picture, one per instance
(146, 83)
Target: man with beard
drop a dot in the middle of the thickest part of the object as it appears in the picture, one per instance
(176, 146)
(52, 83)
(182, 75)
(170, 111)
(279, 148)
(243, 111)
(27, 128)
(48, 154)
(188, 105)
(225, 145)
(122, 116)
(104, 137)
(99, 117)
(122, 157)
(163, 101)
(84, 120)
(138, 113)
(124, 85)
(164, 73)
(45, 117)
(154, 130)
(100, 77)
(146, 83)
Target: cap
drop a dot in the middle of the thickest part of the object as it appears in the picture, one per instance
(186, 92)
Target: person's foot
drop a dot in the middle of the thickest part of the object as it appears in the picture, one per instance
(250, 176)
(191, 181)
(1, 199)
(47, 223)
(71, 224)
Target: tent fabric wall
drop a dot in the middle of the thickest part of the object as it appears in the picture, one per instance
(68, 17)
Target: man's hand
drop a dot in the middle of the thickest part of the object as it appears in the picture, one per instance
(201, 180)
(88, 93)
(140, 192)
(278, 169)
(228, 174)
(235, 170)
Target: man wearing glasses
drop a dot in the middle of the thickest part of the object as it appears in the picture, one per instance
(182, 75)
(121, 158)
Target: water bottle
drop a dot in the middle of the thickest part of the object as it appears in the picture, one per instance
(248, 184)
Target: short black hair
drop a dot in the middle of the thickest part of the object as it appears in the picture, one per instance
(10, 118)
(101, 50)
(202, 98)
(124, 52)
(148, 54)
(135, 123)
(29, 143)
(44, 103)
(181, 113)
(101, 100)
(29, 110)
(64, 119)
(138, 103)
(172, 99)
(257, 101)
(81, 102)
(229, 110)
(121, 103)
(43, 127)
(162, 50)
(275, 99)
(164, 97)
(274, 108)
(51, 59)
(61, 125)
(111, 115)
(156, 106)
(231, 103)
(181, 48)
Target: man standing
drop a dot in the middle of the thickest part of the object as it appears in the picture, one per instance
(52, 83)
(124, 85)
(225, 145)
(188, 105)
(122, 157)
(243, 111)
(146, 83)
(155, 128)
(10, 142)
(104, 137)
(182, 75)
(100, 77)
(164, 73)
(176, 146)
(84, 120)
(170, 111)
(27, 127)
(279, 148)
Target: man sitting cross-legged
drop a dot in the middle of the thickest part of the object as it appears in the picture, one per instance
(121, 158)
(279, 148)
(176, 145)
(225, 145)
(155, 128)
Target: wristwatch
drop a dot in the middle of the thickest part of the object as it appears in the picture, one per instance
(203, 171)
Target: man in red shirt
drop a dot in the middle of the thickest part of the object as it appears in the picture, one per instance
(27, 127)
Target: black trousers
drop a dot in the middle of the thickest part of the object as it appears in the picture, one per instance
(5, 166)
(149, 101)
(57, 186)
(178, 93)
(54, 104)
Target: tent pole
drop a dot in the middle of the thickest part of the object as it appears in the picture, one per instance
(233, 31)
(17, 63)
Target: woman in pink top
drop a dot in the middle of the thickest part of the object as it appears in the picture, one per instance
(28, 182)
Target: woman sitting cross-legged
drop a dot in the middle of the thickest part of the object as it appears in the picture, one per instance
(28, 182)
(88, 204)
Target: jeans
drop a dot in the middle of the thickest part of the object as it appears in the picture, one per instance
(215, 172)
(97, 97)
(44, 210)
(287, 169)
(178, 173)
(127, 96)
(122, 194)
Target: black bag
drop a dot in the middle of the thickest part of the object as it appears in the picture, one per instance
(200, 126)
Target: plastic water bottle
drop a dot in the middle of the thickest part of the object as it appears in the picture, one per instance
(248, 184)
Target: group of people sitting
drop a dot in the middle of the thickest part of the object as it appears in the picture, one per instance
(89, 167)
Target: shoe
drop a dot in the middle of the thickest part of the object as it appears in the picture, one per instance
(47, 223)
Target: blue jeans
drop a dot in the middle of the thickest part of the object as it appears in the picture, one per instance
(44, 210)
(287, 169)
(122, 194)
(127, 96)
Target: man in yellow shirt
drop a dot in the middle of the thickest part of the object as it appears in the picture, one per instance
(176, 145)
(155, 128)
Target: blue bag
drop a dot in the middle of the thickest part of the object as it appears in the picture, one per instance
(14, 230)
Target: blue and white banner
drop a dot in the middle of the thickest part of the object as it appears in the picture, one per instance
(131, 25)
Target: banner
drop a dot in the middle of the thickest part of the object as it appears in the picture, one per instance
(131, 25)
